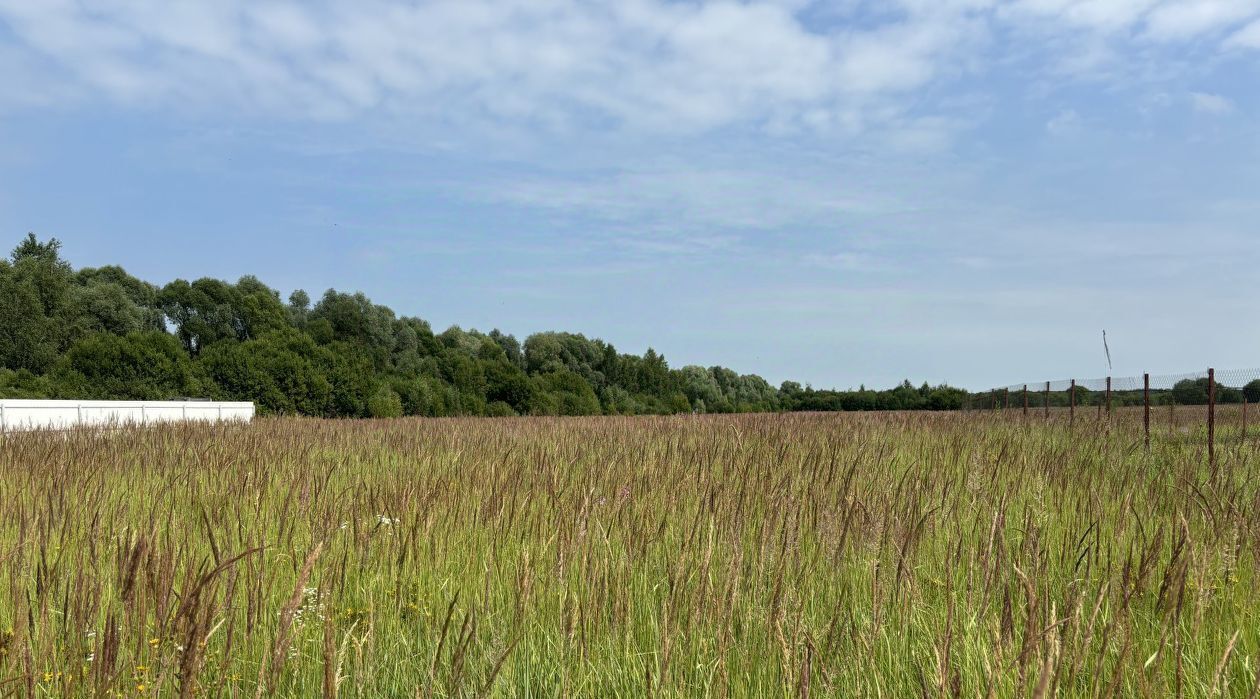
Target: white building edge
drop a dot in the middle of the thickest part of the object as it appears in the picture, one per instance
(20, 414)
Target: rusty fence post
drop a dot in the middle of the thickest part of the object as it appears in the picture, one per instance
(1211, 415)
(1025, 400)
(1146, 409)
(1072, 405)
(1046, 400)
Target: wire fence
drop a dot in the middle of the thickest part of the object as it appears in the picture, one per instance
(1214, 403)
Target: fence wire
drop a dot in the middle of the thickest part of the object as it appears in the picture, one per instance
(1212, 404)
(1231, 386)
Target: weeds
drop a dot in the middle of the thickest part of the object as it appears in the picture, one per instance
(810, 555)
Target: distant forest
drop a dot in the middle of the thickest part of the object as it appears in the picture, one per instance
(100, 333)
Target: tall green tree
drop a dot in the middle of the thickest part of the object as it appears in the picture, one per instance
(35, 318)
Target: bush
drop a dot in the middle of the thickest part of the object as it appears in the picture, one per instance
(1227, 395)
(139, 366)
(570, 394)
(23, 384)
(500, 409)
(276, 372)
(385, 403)
(1190, 392)
(1195, 392)
(1252, 391)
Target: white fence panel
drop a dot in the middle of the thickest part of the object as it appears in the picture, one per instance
(162, 413)
(210, 412)
(64, 414)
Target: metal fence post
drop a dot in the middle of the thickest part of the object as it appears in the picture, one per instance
(1108, 396)
(1211, 415)
(1025, 400)
(1046, 402)
(1146, 409)
(1072, 405)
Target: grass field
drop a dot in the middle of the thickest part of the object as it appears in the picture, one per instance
(887, 555)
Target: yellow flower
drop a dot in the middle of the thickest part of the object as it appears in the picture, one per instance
(153, 642)
(140, 687)
(48, 677)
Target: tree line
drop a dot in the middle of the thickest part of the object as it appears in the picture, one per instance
(1183, 392)
(100, 333)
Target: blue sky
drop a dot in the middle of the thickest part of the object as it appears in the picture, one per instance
(835, 192)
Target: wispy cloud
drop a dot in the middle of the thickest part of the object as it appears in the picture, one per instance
(1065, 122)
(847, 261)
(694, 197)
(637, 63)
(1246, 38)
(1187, 19)
(1208, 103)
(645, 63)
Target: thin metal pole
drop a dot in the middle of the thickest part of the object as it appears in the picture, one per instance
(1025, 400)
(1211, 416)
(1108, 396)
(1146, 408)
(1006, 398)
(1046, 402)
(1072, 405)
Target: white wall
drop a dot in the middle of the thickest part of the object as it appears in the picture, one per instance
(64, 414)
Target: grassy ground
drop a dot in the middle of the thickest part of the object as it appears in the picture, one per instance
(830, 555)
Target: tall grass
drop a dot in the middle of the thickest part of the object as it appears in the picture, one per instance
(799, 555)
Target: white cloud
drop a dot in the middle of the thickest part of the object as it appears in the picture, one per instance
(641, 62)
(1097, 15)
(1066, 121)
(652, 64)
(1133, 23)
(694, 198)
(1208, 103)
(1186, 19)
(847, 262)
(1246, 38)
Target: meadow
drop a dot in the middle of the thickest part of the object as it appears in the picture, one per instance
(848, 555)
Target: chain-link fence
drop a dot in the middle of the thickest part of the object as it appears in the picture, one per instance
(1213, 404)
